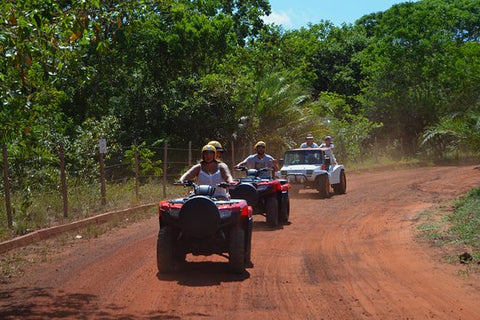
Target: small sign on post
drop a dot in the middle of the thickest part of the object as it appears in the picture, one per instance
(102, 143)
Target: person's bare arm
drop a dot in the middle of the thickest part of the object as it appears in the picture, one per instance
(227, 176)
(275, 166)
(191, 174)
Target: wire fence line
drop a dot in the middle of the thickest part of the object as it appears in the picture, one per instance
(71, 195)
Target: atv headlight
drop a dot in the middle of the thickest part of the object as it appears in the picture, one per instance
(224, 214)
(262, 188)
(309, 172)
(174, 213)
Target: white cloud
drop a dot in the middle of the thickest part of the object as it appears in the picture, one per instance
(280, 18)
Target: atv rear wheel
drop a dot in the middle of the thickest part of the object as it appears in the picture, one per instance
(236, 250)
(165, 250)
(324, 186)
(271, 209)
(284, 209)
(341, 188)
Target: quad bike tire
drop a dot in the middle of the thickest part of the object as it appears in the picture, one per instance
(271, 210)
(236, 250)
(323, 186)
(341, 188)
(166, 259)
(245, 191)
(284, 209)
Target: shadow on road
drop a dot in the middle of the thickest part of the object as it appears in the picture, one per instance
(314, 195)
(204, 273)
(47, 303)
(263, 226)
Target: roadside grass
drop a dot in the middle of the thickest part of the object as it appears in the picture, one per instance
(385, 162)
(455, 228)
(16, 263)
(45, 209)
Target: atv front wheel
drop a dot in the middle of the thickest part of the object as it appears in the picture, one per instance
(165, 250)
(236, 250)
(284, 209)
(271, 209)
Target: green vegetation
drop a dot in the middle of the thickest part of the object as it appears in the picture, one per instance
(45, 209)
(455, 228)
(405, 81)
(466, 220)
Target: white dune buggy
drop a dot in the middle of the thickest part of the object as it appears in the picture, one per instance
(310, 168)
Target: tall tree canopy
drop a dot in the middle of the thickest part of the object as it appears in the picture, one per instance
(422, 62)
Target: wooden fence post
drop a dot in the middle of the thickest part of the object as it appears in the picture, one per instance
(103, 149)
(63, 180)
(136, 169)
(165, 148)
(232, 146)
(189, 153)
(102, 180)
(6, 187)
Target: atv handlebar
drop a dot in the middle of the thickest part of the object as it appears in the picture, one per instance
(243, 168)
(190, 183)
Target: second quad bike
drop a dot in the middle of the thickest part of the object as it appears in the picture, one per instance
(203, 225)
(268, 197)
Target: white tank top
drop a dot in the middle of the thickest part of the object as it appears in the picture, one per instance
(212, 179)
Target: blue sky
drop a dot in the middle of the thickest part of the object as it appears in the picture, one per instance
(293, 14)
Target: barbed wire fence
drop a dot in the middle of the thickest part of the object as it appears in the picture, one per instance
(119, 183)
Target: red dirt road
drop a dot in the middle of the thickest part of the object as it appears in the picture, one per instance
(352, 256)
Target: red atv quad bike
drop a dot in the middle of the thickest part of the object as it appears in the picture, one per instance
(268, 197)
(203, 225)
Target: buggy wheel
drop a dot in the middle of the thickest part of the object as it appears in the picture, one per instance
(236, 250)
(341, 188)
(165, 250)
(284, 209)
(271, 209)
(323, 186)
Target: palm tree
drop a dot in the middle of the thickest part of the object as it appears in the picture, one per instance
(279, 112)
(455, 132)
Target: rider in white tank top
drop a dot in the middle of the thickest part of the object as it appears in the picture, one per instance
(212, 179)
(210, 172)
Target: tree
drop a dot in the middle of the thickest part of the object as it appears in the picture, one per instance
(454, 132)
(413, 65)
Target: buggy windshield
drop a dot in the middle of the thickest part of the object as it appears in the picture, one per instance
(308, 156)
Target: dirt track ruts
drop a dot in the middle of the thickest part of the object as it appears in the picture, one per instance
(352, 256)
